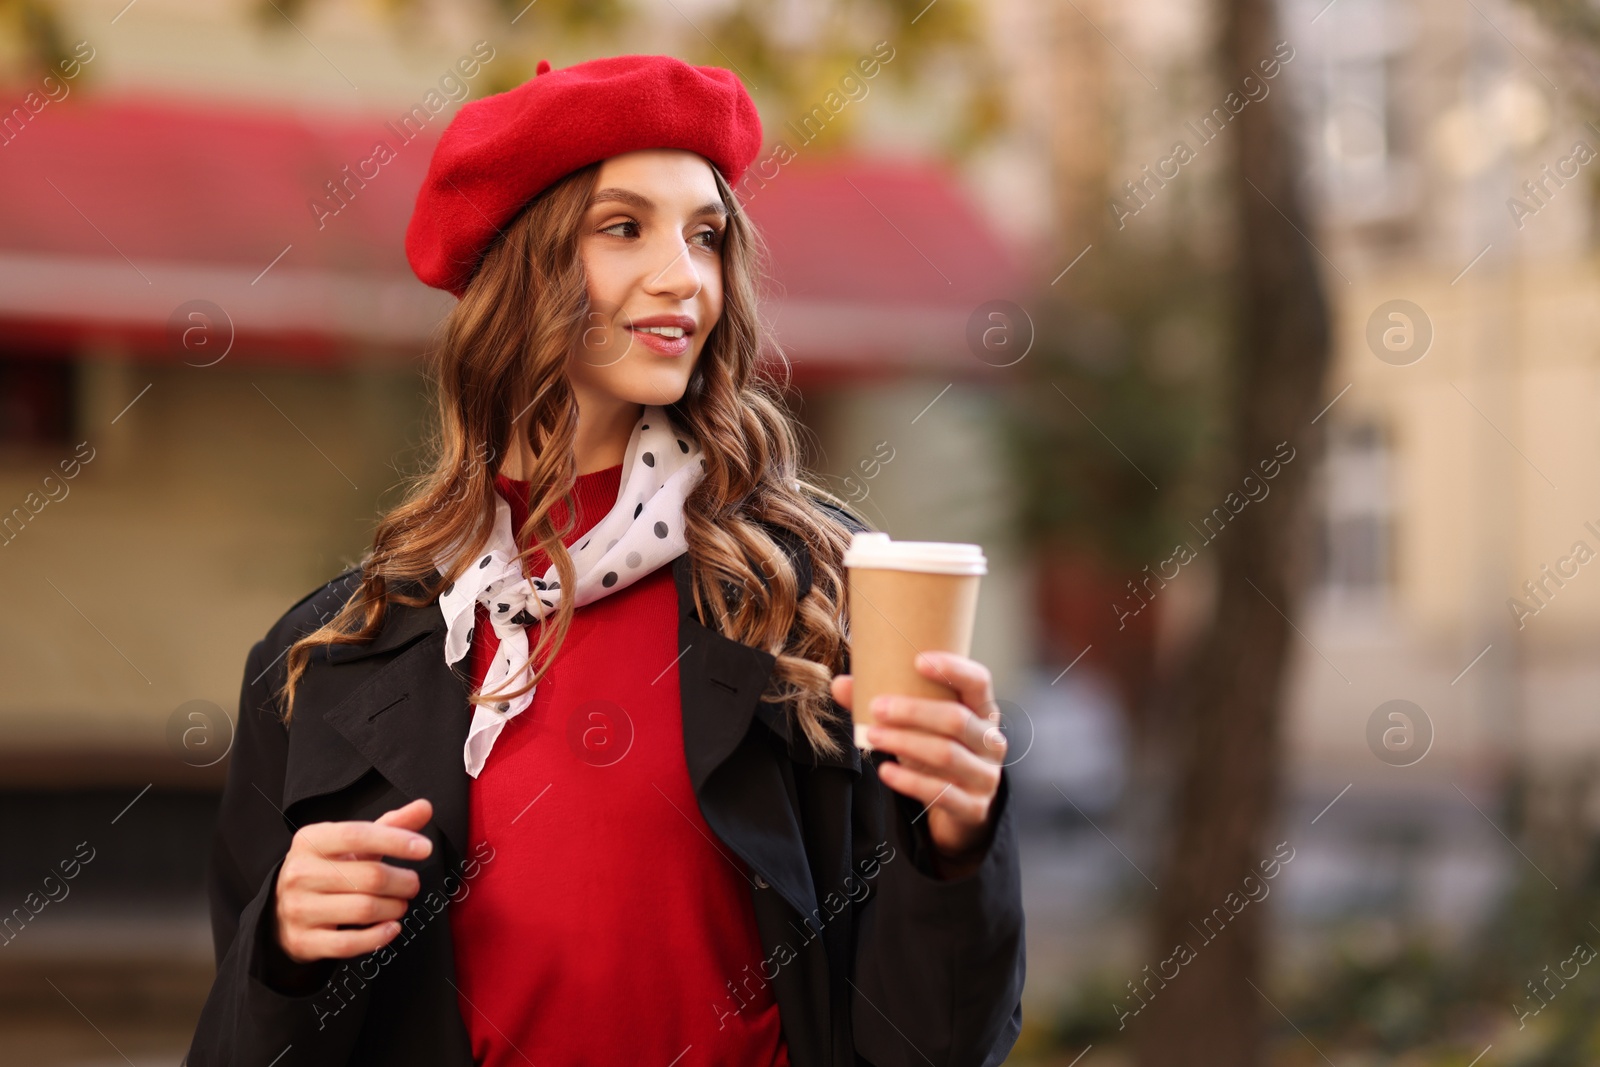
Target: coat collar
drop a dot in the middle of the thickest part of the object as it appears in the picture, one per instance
(396, 720)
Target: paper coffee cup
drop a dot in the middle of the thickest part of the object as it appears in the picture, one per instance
(906, 597)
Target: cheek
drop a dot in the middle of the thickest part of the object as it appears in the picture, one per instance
(607, 291)
(604, 276)
(710, 300)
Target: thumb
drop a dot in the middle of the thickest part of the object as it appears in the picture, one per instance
(843, 688)
(412, 816)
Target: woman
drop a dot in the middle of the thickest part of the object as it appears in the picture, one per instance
(646, 824)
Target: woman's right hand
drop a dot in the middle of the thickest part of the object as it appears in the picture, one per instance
(333, 876)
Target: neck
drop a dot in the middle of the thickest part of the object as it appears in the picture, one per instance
(604, 425)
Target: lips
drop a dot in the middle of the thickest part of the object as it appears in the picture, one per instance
(666, 335)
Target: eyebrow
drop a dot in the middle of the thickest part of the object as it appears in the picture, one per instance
(645, 204)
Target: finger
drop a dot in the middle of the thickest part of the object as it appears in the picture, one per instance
(411, 816)
(844, 690)
(940, 756)
(933, 793)
(320, 944)
(315, 875)
(367, 840)
(310, 911)
(971, 680)
(982, 793)
(943, 717)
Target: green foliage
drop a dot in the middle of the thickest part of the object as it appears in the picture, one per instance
(36, 26)
(1387, 1001)
(1089, 1016)
(1380, 991)
(788, 62)
(1449, 1003)
(789, 68)
(1573, 19)
(540, 20)
(1574, 40)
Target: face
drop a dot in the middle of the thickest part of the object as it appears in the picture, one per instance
(651, 246)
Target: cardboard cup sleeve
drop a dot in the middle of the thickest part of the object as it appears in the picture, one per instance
(906, 597)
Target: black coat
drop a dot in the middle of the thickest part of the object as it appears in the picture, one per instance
(908, 969)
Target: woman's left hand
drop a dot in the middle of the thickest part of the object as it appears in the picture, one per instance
(949, 754)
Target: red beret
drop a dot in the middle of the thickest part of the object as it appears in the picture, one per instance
(500, 151)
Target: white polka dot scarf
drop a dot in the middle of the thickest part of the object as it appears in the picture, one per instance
(643, 530)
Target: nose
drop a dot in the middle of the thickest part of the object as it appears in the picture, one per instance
(680, 278)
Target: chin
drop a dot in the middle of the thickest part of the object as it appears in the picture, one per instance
(660, 392)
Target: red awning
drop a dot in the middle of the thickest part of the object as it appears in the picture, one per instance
(113, 213)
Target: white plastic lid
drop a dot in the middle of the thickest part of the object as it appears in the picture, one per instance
(875, 549)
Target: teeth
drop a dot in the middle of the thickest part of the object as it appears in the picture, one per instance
(664, 331)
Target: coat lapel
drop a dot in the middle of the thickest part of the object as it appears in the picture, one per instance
(411, 723)
(748, 803)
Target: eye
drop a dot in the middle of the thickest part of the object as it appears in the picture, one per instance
(714, 238)
(617, 225)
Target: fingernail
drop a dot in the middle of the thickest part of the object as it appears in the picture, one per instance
(420, 846)
(924, 659)
(880, 704)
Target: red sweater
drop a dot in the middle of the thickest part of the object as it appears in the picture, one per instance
(612, 920)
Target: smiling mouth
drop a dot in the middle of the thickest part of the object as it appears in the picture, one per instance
(662, 340)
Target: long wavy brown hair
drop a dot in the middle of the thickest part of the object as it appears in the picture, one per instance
(504, 350)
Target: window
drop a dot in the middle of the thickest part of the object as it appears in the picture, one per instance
(1357, 511)
(1365, 171)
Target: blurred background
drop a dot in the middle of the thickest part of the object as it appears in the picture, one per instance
(1256, 342)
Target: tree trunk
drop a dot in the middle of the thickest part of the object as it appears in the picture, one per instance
(1228, 747)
